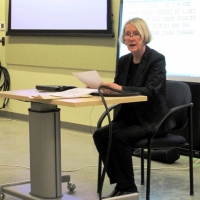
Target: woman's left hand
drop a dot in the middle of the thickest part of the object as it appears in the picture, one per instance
(112, 85)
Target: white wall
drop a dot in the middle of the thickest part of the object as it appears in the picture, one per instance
(47, 60)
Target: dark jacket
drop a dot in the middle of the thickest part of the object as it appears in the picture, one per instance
(150, 80)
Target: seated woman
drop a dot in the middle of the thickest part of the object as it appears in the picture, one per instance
(142, 70)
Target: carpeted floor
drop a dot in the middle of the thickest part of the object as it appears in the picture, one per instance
(79, 159)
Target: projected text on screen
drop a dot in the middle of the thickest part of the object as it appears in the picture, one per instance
(174, 25)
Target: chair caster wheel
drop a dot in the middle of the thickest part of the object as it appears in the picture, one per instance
(2, 196)
(71, 186)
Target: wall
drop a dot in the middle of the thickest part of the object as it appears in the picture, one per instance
(2, 32)
(51, 60)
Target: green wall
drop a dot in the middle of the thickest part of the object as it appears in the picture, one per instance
(51, 60)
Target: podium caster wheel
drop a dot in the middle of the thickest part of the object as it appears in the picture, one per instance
(71, 186)
(2, 196)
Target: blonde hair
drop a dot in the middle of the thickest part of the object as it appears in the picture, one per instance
(142, 28)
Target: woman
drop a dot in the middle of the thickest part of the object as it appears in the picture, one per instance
(142, 70)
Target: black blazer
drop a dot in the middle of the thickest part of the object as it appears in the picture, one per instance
(150, 80)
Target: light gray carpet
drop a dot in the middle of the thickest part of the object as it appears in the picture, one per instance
(79, 156)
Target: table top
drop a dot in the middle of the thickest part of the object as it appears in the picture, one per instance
(25, 95)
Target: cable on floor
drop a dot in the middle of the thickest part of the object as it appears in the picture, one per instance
(91, 120)
(135, 167)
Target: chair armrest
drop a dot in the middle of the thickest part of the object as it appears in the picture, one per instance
(104, 114)
(171, 111)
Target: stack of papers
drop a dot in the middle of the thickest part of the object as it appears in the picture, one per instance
(72, 93)
(91, 79)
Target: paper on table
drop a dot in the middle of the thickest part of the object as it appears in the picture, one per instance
(72, 93)
(43, 97)
(90, 78)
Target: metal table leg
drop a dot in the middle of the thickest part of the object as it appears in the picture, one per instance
(45, 156)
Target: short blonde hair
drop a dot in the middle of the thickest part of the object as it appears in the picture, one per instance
(142, 28)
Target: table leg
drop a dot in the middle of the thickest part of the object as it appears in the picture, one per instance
(45, 157)
(45, 152)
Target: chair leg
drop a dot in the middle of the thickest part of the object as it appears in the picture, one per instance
(191, 175)
(142, 166)
(148, 173)
(191, 153)
(99, 174)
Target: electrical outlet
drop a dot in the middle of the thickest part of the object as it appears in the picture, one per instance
(2, 26)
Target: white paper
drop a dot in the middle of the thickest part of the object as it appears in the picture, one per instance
(90, 78)
(74, 93)
(67, 94)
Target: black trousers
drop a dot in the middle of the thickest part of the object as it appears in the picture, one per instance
(120, 166)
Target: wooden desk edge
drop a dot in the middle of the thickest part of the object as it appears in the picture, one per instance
(77, 102)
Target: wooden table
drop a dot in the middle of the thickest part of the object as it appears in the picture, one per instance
(45, 143)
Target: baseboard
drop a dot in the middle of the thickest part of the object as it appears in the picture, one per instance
(64, 125)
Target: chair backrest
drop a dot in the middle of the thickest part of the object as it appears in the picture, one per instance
(178, 93)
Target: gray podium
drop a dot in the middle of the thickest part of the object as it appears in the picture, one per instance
(45, 157)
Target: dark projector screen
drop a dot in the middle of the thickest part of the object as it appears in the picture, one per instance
(60, 17)
(175, 26)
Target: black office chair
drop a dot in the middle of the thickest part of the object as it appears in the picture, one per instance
(178, 98)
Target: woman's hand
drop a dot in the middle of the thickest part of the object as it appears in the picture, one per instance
(112, 85)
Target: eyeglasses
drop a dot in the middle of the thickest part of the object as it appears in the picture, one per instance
(135, 35)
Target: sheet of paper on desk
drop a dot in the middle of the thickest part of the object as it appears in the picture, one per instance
(90, 78)
(72, 93)
(43, 96)
(75, 93)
